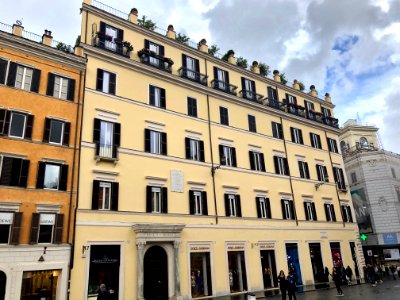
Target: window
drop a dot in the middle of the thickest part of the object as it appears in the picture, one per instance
(232, 205)
(52, 176)
(303, 169)
(353, 177)
(19, 76)
(194, 149)
(277, 131)
(60, 87)
(46, 228)
(272, 94)
(257, 161)
(16, 124)
(291, 103)
(281, 165)
(339, 178)
(14, 171)
(310, 212)
(221, 79)
(393, 172)
(315, 140)
(325, 112)
(263, 208)
(106, 82)
(198, 203)
(322, 173)
(105, 195)
(227, 156)
(10, 227)
(310, 112)
(155, 142)
(156, 199)
(287, 209)
(111, 38)
(157, 96)
(297, 135)
(223, 115)
(332, 145)
(158, 51)
(364, 143)
(248, 89)
(190, 68)
(347, 215)
(107, 137)
(330, 212)
(252, 123)
(192, 107)
(56, 132)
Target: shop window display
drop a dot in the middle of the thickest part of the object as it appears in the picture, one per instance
(200, 274)
(40, 284)
(237, 271)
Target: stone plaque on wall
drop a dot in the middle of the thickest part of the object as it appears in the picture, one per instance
(176, 181)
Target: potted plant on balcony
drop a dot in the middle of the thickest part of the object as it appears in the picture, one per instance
(127, 47)
(228, 54)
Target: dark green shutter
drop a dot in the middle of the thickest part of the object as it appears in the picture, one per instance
(187, 148)
(116, 139)
(35, 81)
(314, 211)
(58, 232)
(234, 156)
(205, 203)
(40, 175)
(16, 228)
(112, 84)
(202, 157)
(3, 70)
(29, 127)
(164, 143)
(164, 200)
(71, 89)
(12, 74)
(23, 180)
(162, 98)
(238, 206)
(258, 204)
(67, 129)
(34, 228)
(152, 95)
(114, 195)
(148, 199)
(96, 134)
(191, 202)
(50, 84)
(95, 194)
(251, 157)
(46, 132)
(99, 81)
(63, 178)
(147, 140)
(306, 211)
(227, 206)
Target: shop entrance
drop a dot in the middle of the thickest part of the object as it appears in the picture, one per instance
(293, 261)
(317, 265)
(40, 284)
(237, 271)
(268, 268)
(200, 274)
(336, 254)
(155, 274)
(3, 281)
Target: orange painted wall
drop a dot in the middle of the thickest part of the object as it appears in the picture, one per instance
(42, 106)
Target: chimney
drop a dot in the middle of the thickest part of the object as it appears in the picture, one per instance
(296, 85)
(255, 68)
(277, 77)
(17, 28)
(312, 91)
(232, 59)
(171, 33)
(78, 50)
(328, 98)
(133, 16)
(47, 39)
(203, 46)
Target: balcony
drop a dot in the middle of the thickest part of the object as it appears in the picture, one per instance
(107, 43)
(274, 103)
(106, 152)
(295, 109)
(330, 121)
(151, 58)
(224, 86)
(252, 96)
(193, 75)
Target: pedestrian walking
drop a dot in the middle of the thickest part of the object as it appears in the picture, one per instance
(326, 276)
(282, 284)
(103, 293)
(291, 281)
(393, 271)
(336, 276)
(349, 275)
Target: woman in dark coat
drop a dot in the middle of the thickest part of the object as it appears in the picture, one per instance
(282, 284)
(337, 278)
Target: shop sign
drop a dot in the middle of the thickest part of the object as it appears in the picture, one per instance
(6, 218)
(199, 248)
(391, 254)
(390, 238)
(105, 260)
(266, 245)
(235, 247)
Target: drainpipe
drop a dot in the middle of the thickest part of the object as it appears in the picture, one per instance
(290, 178)
(212, 156)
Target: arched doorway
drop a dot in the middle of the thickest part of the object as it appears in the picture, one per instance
(3, 279)
(155, 274)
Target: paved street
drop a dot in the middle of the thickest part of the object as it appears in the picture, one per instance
(389, 289)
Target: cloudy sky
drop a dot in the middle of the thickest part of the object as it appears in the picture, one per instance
(349, 48)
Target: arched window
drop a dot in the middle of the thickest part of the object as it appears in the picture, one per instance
(343, 146)
(363, 142)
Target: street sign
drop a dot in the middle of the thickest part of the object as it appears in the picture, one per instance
(369, 252)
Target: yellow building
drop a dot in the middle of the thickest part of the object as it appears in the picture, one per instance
(197, 177)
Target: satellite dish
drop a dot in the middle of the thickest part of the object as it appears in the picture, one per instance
(19, 23)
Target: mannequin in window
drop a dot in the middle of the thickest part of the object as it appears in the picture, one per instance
(199, 282)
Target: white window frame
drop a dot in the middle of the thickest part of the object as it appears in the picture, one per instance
(288, 211)
(191, 67)
(333, 145)
(157, 96)
(281, 165)
(60, 93)
(156, 199)
(257, 161)
(105, 203)
(156, 49)
(52, 229)
(8, 221)
(310, 211)
(106, 82)
(24, 126)
(155, 142)
(347, 211)
(221, 77)
(62, 131)
(194, 149)
(198, 203)
(232, 205)
(24, 78)
(296, 134)
(262, 202)
(247, 86)
(113, 32)
(59, 176)
(228, 156)
(106, 139)
(304, 169)
(315, 141)
(322, 174)
(330, 209)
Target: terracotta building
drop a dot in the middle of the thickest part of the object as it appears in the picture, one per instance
(40, 118)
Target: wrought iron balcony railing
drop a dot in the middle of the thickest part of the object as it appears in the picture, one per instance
(296, 110)
(252, 96)
(151, 58)
(274, 103)
(105, 42)
(330, 121)
(193, 75)
(224, 86)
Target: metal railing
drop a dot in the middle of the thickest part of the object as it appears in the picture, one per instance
(149, 58)
(252, 96)
(110, 9)
(113, 46)
(224, 86)
(5, 27)
(193, 75)
(31, 36)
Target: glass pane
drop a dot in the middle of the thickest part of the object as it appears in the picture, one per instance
(51, 177)
(57, 83)
(237, 271)
(157, 97)
(64, 88)
(17, 126)
(28, 79)
(190, 65)
(4, 233)
(155, 142)
(45, 233)
(56, 132)
(200, 274)
(106, 82)
(20, 76)
(107, 197)
(111, 35)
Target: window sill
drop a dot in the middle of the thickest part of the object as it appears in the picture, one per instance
(106, 159)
